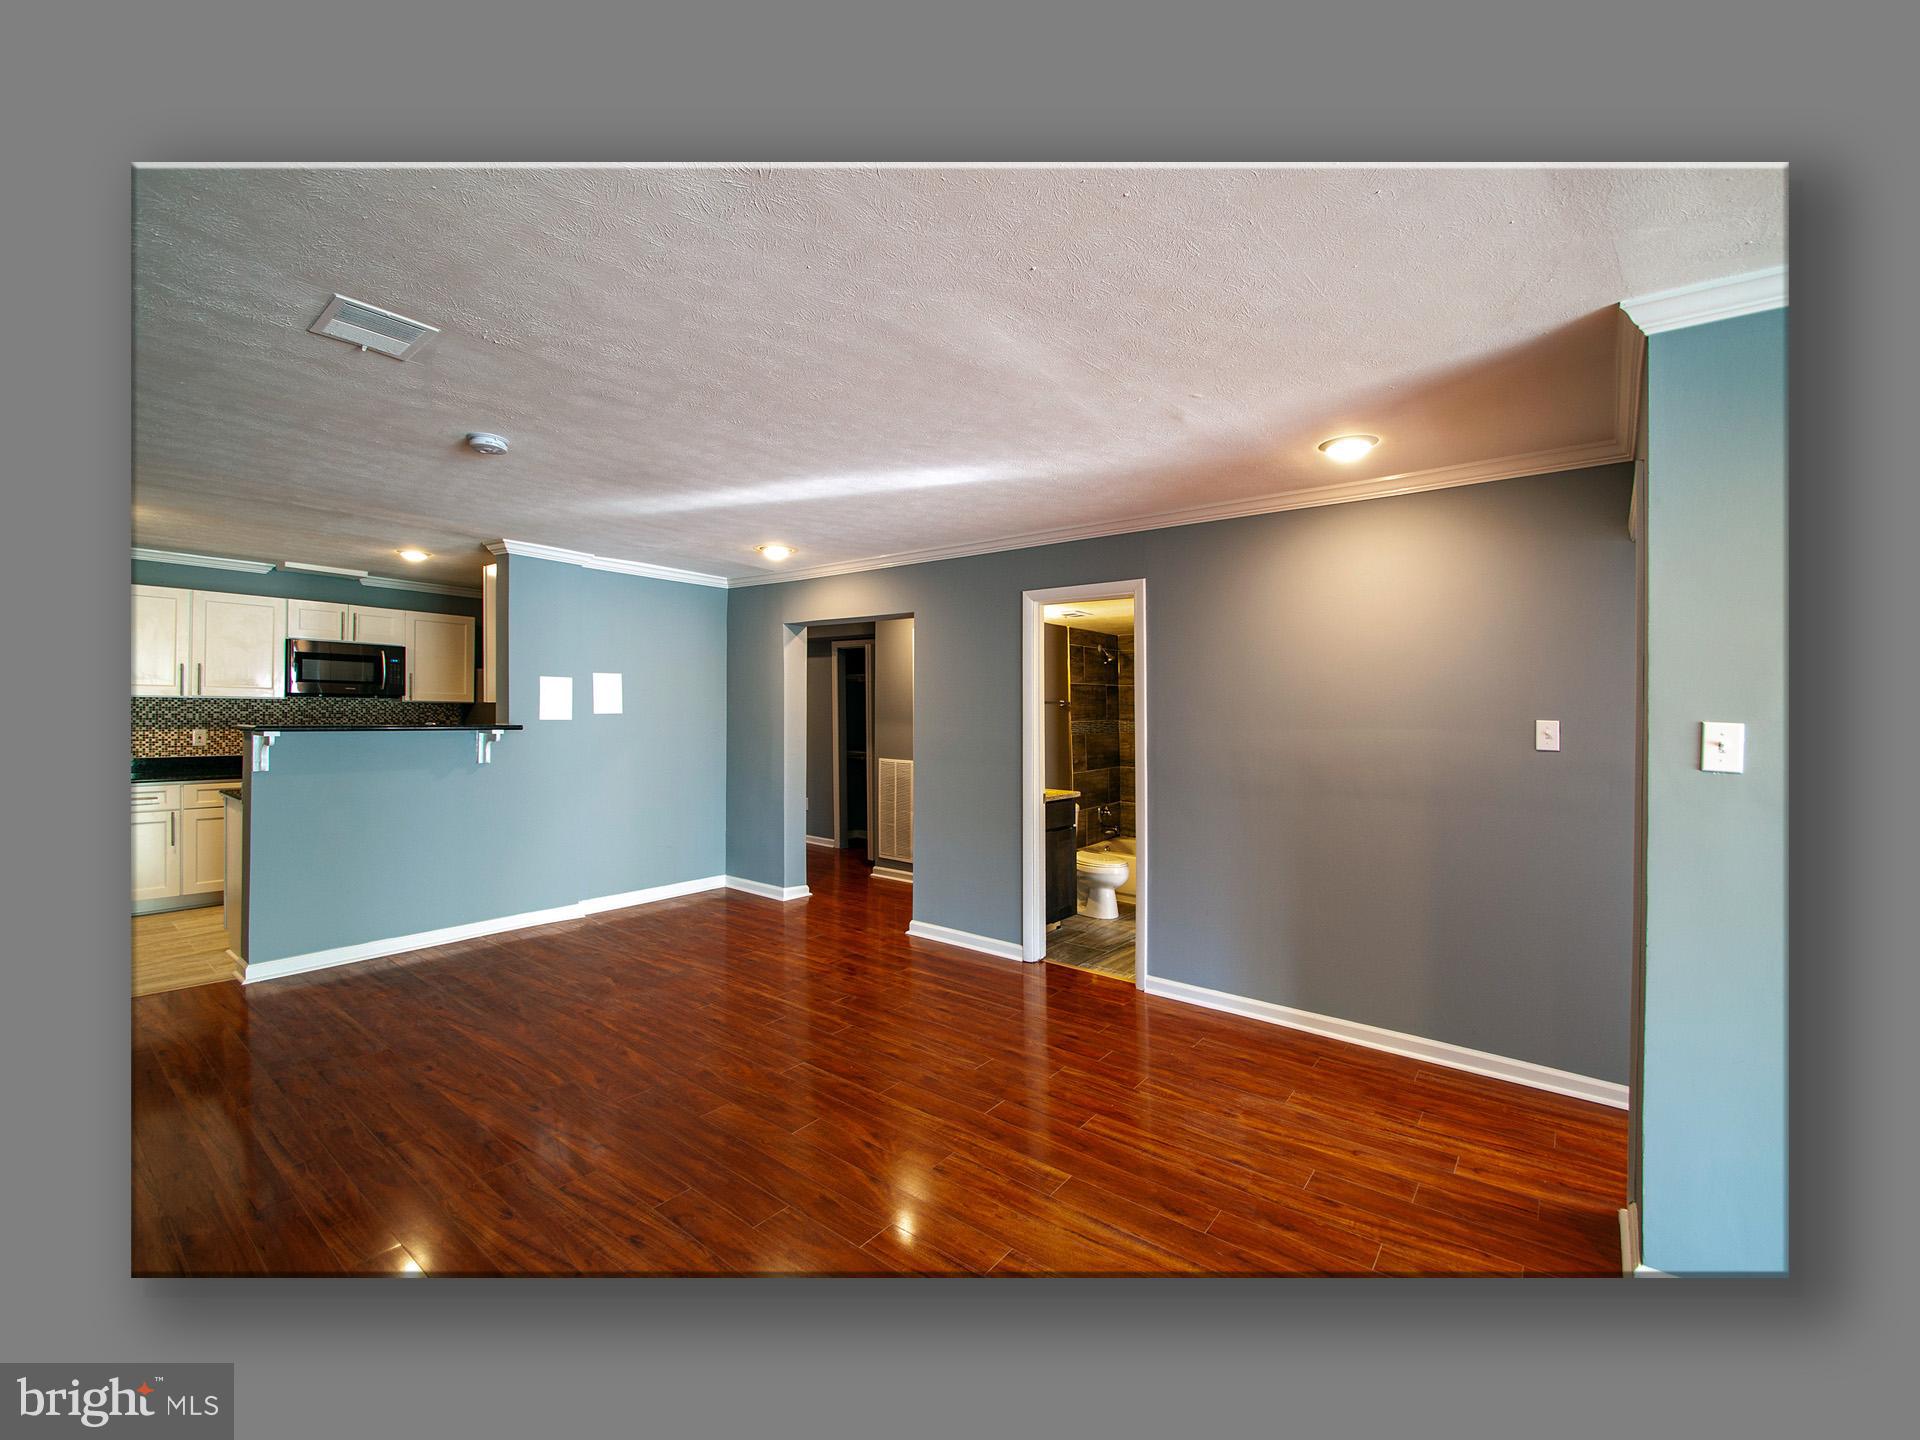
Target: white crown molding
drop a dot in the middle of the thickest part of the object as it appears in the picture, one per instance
(1510, 467)
(203, 562)
(1395, 1042)
(1709, 300)
(966, 940)
(427, 587)
(602, 562)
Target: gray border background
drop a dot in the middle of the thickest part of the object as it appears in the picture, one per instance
(84, 91)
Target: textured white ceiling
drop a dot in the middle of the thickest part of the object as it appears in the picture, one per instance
(863, 362)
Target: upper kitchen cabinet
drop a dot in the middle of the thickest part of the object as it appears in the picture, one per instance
(370, 625)
(239, 645)
(162, 636)
(316, 620)
(439, 657)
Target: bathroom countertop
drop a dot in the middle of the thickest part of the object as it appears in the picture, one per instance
(1063, 794)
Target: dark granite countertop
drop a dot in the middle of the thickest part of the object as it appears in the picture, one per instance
(363, 729)
(157, 769)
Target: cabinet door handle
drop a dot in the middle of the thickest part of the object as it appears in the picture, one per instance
(183, 677)
(173, 832)
(199, 677)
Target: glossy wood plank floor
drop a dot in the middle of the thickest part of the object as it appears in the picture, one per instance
(723, 1084)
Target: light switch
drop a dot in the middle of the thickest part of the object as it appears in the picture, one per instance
(1723, 746)
(1546, 734)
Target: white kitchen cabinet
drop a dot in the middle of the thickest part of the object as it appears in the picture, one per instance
(372, 625)
(162, 637)
(156, 854)
(439, 657)
(203, 850)
(316, 620)
(239, 646)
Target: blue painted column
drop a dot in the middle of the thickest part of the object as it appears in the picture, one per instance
(1713, 1092)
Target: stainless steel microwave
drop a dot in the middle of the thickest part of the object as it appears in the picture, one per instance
(344, 667)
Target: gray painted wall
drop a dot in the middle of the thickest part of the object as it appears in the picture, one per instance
(1713, 1101)
(358, 836)
(1348, 813)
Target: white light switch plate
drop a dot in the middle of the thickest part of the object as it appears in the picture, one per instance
(1546, 734)
(1723, 746)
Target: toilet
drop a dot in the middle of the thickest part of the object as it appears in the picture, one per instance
(1101, 873)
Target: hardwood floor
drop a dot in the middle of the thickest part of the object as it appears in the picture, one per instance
(179, 948)
(722, 1084)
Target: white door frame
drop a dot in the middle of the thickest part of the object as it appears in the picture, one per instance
(1033, 739)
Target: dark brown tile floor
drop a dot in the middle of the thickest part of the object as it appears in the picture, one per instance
(1102, 947)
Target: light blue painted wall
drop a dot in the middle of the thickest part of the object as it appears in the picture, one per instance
(367, 836)
(1713, 1173)
(1348, 815)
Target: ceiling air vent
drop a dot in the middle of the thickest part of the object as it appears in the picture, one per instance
(372, 328)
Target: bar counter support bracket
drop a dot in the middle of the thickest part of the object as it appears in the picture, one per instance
(483, 745)
(262, 744)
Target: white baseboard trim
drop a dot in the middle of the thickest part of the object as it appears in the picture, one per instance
(766, 891)
(1647, 1272)
(887, 872)
(825, 842)
(257, 971)
(966, 940)
(651, 894)
(1416, 1047)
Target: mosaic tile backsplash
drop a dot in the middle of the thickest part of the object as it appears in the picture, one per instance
(164, 724)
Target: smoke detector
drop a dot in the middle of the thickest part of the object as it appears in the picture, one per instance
(487, 443)
(371, 328)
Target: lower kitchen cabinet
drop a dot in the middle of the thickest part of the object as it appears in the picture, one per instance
(156, 854)
(203, 851)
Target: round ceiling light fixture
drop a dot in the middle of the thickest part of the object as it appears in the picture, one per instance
(775, 551)
(1348, 448)
(414, 556)
(487, 443)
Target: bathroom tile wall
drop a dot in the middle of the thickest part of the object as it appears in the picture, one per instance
(164, 725)
(1100, 717)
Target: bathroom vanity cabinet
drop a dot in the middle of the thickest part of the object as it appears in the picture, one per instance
(1060, 850)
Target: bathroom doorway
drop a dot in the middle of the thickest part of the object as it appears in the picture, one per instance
(1084, 778)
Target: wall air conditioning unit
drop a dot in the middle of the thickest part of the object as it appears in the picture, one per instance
(371, 328)
(893, 829)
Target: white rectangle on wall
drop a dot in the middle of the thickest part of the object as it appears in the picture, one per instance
(556, 697)
(606, 692)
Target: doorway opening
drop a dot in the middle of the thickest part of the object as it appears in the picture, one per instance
(1084, 778)
(859, 743)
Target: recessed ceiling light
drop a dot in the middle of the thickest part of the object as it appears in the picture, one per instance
(775, 552)
(1348, 448)
(414, 557)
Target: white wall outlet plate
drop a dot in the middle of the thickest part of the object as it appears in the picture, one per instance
(1723, 746)
(1546, 734)
(199, 738)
